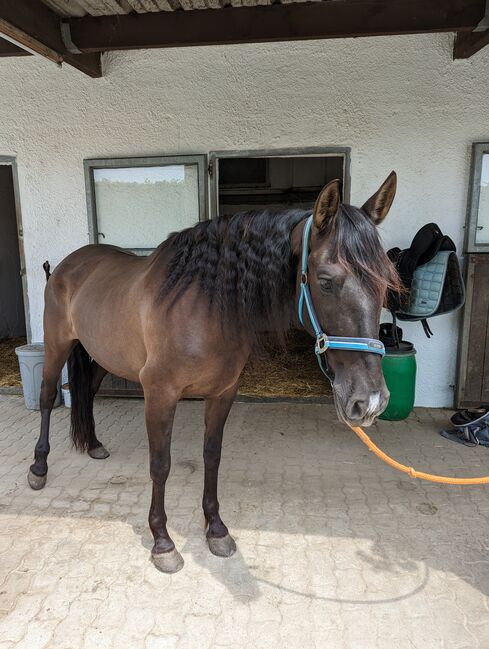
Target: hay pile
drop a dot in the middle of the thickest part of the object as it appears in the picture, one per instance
(294, 373)
(9, 365)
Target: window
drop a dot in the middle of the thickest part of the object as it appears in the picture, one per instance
(136, 203)
(477, 231)
(274, 179)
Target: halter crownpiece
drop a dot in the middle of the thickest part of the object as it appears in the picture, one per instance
(324, 342)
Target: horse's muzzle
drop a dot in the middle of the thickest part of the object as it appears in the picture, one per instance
(360, 410)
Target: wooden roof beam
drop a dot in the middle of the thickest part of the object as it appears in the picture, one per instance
(468, 44)
(32, 26)
(276, 22)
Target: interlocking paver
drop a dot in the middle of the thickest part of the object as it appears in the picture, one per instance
(335, 550)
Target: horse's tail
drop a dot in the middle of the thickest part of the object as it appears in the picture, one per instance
(47, 269)
(79, 376)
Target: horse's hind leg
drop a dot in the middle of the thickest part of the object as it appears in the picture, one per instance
(54, 358)
(221, 543)
(96, 448)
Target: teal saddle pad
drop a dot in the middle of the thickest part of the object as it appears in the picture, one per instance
(437, 288)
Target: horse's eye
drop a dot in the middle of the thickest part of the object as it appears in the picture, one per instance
(326, 285)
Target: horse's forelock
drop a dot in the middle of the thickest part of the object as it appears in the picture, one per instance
(355, 244)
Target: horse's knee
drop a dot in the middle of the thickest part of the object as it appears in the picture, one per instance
(159, 470)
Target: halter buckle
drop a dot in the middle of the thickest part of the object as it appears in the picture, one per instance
(322, 344)
(304, 277)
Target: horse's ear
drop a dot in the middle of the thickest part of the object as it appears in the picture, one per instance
(380, 203)
(327, 203)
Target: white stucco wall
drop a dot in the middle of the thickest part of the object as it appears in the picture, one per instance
(399, 103)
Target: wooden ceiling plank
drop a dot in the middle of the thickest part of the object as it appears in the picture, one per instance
(277, 22)
(30, 43)
(102, 7)
(65, 8)
(142, 6)
(34, 26)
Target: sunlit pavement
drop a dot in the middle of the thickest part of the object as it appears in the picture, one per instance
(335, 549)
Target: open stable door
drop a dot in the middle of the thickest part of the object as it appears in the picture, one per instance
(473, 365)
(274, 178)
(135, 203)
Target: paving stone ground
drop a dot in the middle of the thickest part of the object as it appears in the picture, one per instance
(335, 549)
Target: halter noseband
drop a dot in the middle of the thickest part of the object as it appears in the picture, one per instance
(324, 342)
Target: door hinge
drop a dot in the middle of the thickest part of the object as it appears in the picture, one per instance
(210, 168)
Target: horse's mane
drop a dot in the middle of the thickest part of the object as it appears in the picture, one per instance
(244, 263)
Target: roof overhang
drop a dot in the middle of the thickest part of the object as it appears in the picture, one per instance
(78, 38)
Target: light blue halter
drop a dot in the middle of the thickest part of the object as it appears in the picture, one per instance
(324, 342)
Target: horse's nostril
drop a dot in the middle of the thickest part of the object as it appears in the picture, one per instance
(357, 409)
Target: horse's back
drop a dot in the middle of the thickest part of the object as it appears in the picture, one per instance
(88, 259)
(92, 262)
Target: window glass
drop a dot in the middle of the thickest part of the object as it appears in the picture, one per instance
(138, 207)
(482, 233)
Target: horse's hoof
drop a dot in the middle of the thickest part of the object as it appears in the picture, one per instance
(169, 562)
(222, 547)
(36, 482)
(98, 453)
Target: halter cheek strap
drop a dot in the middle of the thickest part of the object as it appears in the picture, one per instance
(324, 342)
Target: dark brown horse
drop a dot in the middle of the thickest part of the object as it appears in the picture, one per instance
(184, 320)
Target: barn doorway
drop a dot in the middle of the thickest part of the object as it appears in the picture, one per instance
(278, 182)
(12, 307)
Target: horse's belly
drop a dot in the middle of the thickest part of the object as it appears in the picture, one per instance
(107, 324)
(113, 360)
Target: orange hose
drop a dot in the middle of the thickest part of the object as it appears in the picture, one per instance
(409, 469)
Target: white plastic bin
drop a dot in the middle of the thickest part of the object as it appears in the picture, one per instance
(65, 389)
(31, 363)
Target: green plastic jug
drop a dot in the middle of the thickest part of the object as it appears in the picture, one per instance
(399, 367)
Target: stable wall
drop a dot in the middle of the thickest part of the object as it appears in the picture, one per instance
(399, 102)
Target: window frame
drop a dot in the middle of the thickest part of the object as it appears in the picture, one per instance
(142, 161)
(299, 152)
(473, 195)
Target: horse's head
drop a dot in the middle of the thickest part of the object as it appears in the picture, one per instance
(349, 274)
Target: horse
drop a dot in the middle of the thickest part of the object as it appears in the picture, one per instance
(184, 320)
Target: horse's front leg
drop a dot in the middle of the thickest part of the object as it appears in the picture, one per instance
(220, 541)
(159, 412)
